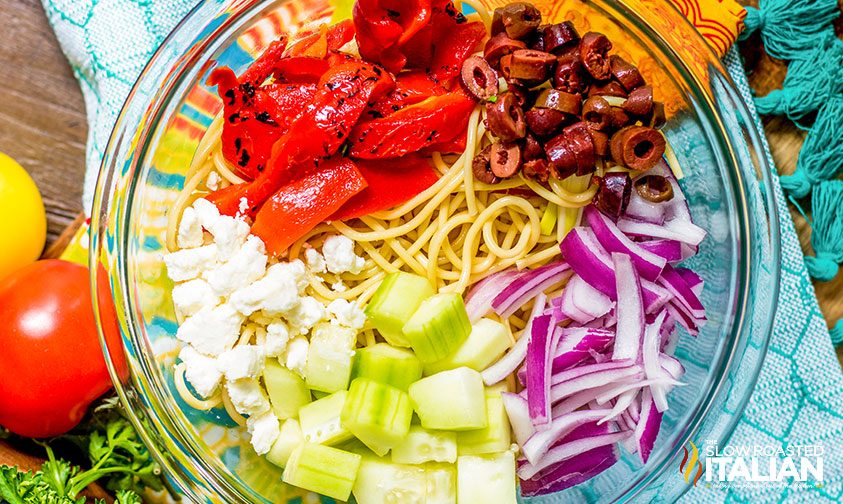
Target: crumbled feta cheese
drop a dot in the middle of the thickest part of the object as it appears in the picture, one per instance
(315, 261)
(306, 314)
(192, 296)
(264, 429)
(247, 265)
(200, 371)
(276, 292)
(339, 286)
(212, 331)
(277, 336)
(207, 212)
(340, 257)
(229, 235)
(244, 361)
(213, 181)
(296, 271)
(247, 396)
(243, 207)
(190, 230)
(188, 264)
(346, 314)
(296, 358)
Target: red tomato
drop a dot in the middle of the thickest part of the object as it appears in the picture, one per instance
(52, 367)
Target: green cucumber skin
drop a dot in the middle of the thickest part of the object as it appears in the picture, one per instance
(329, 357)
(395, 301)
(384, 363)
(323, 469)
(438, 327)
(450, 400)
(287, 390)
(320, 420)
(486, 343)
(377, 414)
(495, 437)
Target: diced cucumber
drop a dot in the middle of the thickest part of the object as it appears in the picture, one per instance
(438, 327)
(385, 363)
(287, 390)
(377, 414)
(329, 357)
(323, 470)
(450, 400)
(380, 482)
(320, 420)
(486, 343)
(489, 479)
(395, 301)
(441, 483)
(290, 438)
(422, 445)
(494, 437)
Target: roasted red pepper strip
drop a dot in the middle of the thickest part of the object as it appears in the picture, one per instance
(391, 182)
(384, 26)
(342, 95)
(455, 145)
(262, 68)
(454, 47)
(299, 206)
(340, 34)
(300, 69)
(413, 128)
(410, 87)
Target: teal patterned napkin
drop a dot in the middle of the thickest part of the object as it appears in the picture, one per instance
(799, 396)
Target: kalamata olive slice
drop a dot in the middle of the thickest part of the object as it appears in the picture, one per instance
(594, 54)
(544, 122)
(481, 167)
(654, 188)
(613, 194)
(532, 148)
(610, 88)
(597, 113)
(529, 65)
(579, 137)
(601, 142)
(559, 37)
(639, 102)
(499, 46)
(568, 103)
(656, 119)
(629, 76)
(570, 76)
(637, 147)
(506, 159)
(517, 19)
(479, 78)
(620, 118)
(560, 153)
(537, 169)
(506, 118)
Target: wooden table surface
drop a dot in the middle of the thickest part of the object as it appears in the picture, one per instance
(42, 121)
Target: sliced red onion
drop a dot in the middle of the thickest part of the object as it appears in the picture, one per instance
(677, 207)
(685, 320)
(567, 388)
(585, 299)
(630, 309)
(652, 366)
(672, 366)
(538, 445)
(579, 344)
(622, 388)
(539, 353)
(478, 301)
(589, 260)
(643, 210)
(578, 400)
(568, 310)
(685, 232)
(519, 417)
(622, 403)
(669, 250)
(634, 411)
(526, 286)
(507, 364)
(694, 281)
(578, 372)
(674, 282)
(648, 264)
(567, 450)
(647, 429)
(655, 296)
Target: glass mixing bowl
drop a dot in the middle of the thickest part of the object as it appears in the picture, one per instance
(726, 180)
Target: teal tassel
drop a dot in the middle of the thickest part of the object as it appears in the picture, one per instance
(788, 27)
(827, 230)
(811, 79)
(821, 157)
(836, 333)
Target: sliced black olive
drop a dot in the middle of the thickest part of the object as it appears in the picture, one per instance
(637, 147)
(625, 73)
(482, 167)
(545, 122)
(506, 118)
(594, 54)
(528, 65)
(560, 37)
(654, 188)
(499, 46)
(479, 78)
(506, 159)
(597, 113)
(567, 103)
(613, 194)
(518, 20)
(640, 102)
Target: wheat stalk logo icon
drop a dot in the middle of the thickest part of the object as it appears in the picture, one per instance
(686, 467)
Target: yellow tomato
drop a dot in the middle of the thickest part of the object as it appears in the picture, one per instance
(23, 224)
